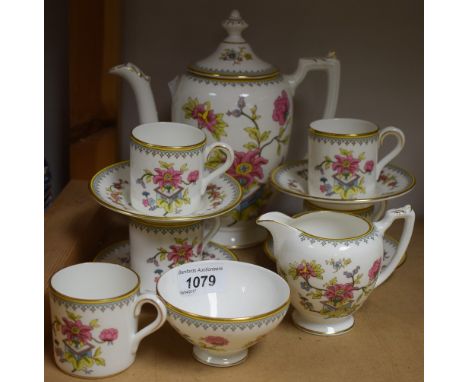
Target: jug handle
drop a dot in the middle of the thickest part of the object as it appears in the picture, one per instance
(332, 66)
(390, 216)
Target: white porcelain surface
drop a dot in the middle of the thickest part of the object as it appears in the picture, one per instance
(167, 162)
(222, 324)
(373, 212)
(332, 261)
(94, 310)
(291, 178)
(343, 157)
(111, 188)
(239, 237)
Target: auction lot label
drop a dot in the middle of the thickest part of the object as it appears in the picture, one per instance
(210, 278)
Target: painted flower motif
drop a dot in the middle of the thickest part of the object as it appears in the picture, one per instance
(109, 335)
(369, 166)
(193, 176)
(338, 292)
(247, 167)
(216, 340)
(306, 270)
(167, 178)
(76, 331)
(281, 110)
(345, 165)
(205, 116)
(374, 270)
(180, 254)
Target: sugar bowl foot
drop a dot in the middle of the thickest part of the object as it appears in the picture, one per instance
(219, 360)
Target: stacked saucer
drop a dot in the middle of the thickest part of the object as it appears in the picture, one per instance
(173, 206)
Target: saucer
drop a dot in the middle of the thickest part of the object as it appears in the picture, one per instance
(390, 246)
(119, 253)
(110, 187)
(291, 178)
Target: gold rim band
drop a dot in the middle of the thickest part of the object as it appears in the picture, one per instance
(224, 77)
(227, 320)
(99, 300)
(351, 212)
(345, 136)
(167, 148)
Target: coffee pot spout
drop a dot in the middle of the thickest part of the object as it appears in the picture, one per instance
(140, 84)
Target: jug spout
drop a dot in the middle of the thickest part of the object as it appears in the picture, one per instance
(279, 225)
(140, 84)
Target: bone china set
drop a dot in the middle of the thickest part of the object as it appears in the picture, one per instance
(196, 186)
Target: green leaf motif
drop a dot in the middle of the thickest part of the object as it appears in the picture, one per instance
(72, 316)
(362, 156)
(98, 352)
(100, 361)
(250, 146)
(345, 152)
(316, 295)
(253, 133)
(264, 136)
(94, 323)
(184, 167)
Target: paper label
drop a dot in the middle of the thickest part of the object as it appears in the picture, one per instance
(196, 279)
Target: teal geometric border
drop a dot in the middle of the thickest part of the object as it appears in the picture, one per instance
(225, 83)
(345, 141)
(372, 235)
(169, 154)
(94, 306)
(225, 326)
(166, 230)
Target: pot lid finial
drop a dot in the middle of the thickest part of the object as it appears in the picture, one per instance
(234, 26)
(234, 59)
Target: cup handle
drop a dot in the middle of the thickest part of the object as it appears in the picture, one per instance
(221, 169)
(390, 216)
(390, 130)
(215, 225)
(154, 325)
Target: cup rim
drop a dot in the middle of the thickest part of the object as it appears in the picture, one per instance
(202, 317)
(121, 297)
(328, 212)
(166, 147)
(315, 131)
(165, 224)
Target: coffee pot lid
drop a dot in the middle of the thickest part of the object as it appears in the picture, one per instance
(234, 58)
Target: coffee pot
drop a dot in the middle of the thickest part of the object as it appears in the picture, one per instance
(332, 262)
(237, 98)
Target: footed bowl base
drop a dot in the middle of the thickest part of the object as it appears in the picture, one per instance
(248, 236)
(337, 328)
(224, 360)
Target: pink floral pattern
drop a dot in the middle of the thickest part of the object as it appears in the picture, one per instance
(247, 167)
(375, 269)
(167, 178)
(109, 335)
(205, 117)
(281, 109)
(180, 254)
(78, 346)
(336, 299)
(193, 176)
(347, 178)
(216, 340)
(76, 332)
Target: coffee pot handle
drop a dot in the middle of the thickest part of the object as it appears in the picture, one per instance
(390, 216)
(228, 151)
(332, 66)
(154, 325)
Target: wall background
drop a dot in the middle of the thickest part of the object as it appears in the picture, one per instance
(379, 44)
